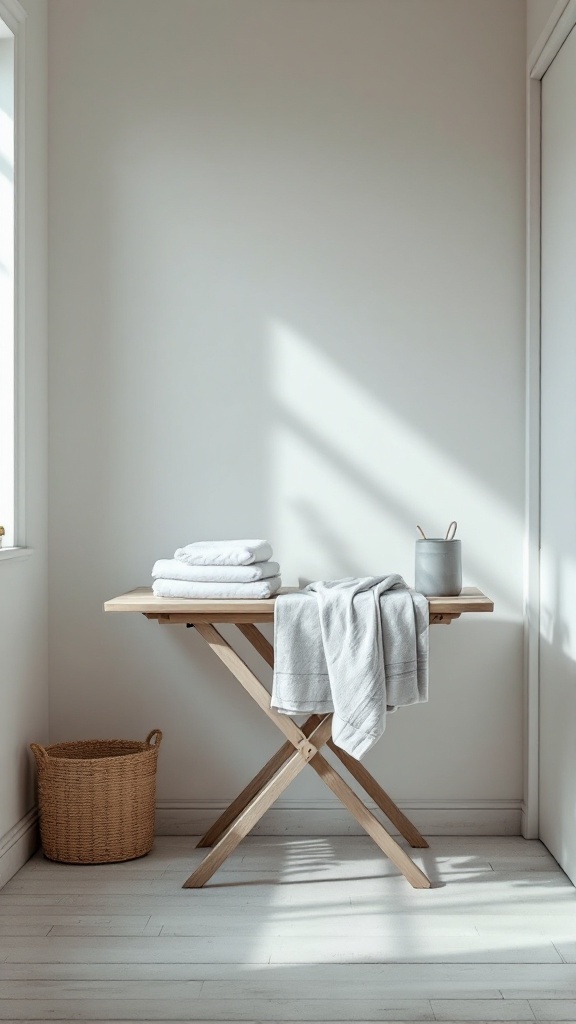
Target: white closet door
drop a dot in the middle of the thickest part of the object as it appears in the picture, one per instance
(558, 510)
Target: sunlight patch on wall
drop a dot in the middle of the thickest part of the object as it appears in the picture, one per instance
(558, 597)
(351, 480)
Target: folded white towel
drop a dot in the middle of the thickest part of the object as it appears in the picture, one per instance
(172, 569)
(217, 591)
(224, 552)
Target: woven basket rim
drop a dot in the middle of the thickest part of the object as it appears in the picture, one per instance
(69, 748)
(92, 743)
(96, 760)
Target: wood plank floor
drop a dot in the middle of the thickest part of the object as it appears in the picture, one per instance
(293, 929)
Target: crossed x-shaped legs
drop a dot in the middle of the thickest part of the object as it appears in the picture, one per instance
(302, 747)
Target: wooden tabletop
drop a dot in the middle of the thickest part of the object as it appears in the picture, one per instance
(143, 601)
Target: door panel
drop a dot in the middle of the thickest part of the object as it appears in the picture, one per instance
(558, 508)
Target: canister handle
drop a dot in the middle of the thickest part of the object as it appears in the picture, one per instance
(451, 531)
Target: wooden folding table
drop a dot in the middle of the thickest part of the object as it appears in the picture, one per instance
(303, 743)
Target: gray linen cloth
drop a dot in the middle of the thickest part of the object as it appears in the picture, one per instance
(355, 647)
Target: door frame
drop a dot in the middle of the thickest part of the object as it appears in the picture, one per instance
(557, 29)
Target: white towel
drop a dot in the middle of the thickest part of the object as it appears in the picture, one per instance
(172, 569)
(356, 647)
(260, 589)
(224, 552)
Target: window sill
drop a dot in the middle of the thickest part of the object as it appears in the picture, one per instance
(6, 553)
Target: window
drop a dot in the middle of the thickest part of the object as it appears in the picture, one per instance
(7, 294)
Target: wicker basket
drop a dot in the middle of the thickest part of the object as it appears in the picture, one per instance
(97, 799)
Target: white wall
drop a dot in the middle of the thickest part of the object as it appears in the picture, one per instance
(287, 301)
(537, 15)
(23, 583)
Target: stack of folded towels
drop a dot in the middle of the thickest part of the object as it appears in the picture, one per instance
(223, 569)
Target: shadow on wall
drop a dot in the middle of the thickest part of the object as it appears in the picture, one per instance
(347, 469)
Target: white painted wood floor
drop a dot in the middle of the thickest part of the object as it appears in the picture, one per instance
(293, 929)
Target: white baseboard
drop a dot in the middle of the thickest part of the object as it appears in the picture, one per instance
(326, 818)
(18, 844)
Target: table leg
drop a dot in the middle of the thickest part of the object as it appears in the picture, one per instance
(306, 752)
(380, 797)
(356, 769)
(369, 823)
(258, 641)
(252, 813)
(245, 821)
(252, 685)
(254, 787)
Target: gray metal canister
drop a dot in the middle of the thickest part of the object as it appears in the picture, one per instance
(438, 567)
